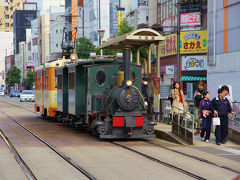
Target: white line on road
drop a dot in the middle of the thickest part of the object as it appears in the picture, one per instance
(230, 150)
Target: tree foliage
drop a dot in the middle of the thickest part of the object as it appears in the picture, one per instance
(124, 28)
(13, 76)
(29, 79)
(84, 47)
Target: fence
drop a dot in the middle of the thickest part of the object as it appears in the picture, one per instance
(182, 123)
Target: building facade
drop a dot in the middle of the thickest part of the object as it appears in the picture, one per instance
(224, 47)
(22, 21)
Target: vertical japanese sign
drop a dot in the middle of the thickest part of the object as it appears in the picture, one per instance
(120, 15)
(115, 16)
(156, 93)
(193, 42)
(142, 13)
(169, 46)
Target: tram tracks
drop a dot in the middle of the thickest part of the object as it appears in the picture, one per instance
(18, 158)
(160, 162)
(24, 166)
(150, 157)
(195, 157)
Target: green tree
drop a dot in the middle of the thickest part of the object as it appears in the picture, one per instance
(29, 80)
(84, 47)
(124, 28)
(13, 76)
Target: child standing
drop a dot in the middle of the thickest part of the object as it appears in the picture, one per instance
(205, 114)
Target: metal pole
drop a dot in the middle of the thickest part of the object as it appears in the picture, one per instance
(178, 41)
(138, 57)
(149, 60)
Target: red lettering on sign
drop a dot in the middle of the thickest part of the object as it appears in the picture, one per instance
(198, 45)
(185, 45)
(192, 45)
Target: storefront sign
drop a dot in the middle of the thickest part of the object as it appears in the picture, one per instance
(169, 69)
(156, 92)
(193, 42)
(169, 46)
(193, 63)
(190, 19)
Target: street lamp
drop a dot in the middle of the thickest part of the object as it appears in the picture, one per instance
(101, 34)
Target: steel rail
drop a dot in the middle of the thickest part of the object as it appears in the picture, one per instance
(17, 157)
(88, 175)
(160, 162)
(195, 157)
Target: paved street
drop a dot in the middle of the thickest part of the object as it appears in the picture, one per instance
(100, 158)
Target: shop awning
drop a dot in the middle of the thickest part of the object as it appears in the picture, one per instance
(193, 78)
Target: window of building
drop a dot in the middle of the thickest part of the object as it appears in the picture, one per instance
(56, 45)
(56, 31)
(6, 1)
(11, 17)
(6, 8)
(29, 46)
(29, 58)
(6, 16)
(11, 24)
(6, 24)
(11, 8)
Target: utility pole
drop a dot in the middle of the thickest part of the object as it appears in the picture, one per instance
(178, 41)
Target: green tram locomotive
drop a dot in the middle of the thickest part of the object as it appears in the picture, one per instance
(104, 93)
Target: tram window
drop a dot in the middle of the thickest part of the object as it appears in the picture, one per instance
(101, 78)
(59, 81)
(71, 80)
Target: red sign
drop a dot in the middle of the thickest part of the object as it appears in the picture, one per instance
(190, 19)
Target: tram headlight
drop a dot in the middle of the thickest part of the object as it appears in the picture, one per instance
(129, 83)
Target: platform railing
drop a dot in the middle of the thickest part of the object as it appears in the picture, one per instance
(184, 126)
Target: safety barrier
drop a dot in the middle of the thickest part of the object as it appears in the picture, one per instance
(183, 125)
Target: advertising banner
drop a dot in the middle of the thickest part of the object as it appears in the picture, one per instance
(193, 42)
(169, 46)
(120, 15)
(156, 93)
(142, 13)
(190, 19)
(193, 63)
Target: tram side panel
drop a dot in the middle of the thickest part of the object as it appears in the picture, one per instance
(50, 93)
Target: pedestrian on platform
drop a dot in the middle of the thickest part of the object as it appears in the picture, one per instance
(179, 105)
(221, 108)
(227, 95)
(198, 97)
(205, 116)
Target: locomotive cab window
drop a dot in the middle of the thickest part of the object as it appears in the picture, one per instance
(100, 78)
(71, 80)
(133, 77)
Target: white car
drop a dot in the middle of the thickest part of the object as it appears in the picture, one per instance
(1, 93)
(27, 95)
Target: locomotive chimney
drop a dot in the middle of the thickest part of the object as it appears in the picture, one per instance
(126, 64)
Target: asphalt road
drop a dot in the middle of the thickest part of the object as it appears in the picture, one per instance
(17, 99)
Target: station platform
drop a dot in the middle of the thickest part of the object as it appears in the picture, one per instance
(164, 131)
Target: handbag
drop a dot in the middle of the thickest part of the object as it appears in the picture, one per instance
(216, 121)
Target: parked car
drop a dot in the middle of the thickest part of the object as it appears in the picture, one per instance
(27, 95)
(15, 93)
(2, 93)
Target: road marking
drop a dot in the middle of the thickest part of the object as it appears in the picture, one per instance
(230, 150)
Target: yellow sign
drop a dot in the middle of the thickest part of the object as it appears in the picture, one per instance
(193, 42)
(120, 17)
(169, 46)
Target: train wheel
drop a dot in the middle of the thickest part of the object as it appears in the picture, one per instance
(93, 128)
